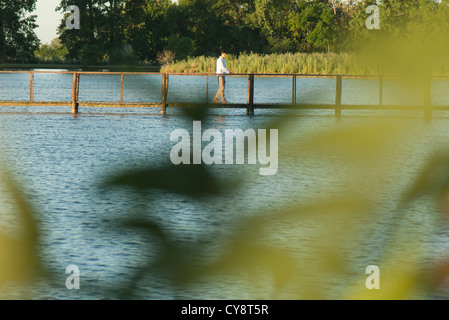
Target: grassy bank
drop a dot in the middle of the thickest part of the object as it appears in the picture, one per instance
(303, 63)
(299, 63)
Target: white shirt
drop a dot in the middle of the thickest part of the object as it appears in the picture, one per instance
(221, 66)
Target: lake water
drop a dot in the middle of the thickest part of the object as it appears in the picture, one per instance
(62, 162)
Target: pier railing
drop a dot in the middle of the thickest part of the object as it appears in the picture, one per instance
(13, 85)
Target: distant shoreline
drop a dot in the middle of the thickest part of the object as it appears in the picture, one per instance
(71, 67)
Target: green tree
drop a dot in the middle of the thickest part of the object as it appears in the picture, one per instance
(400, 20)
(53, 52)
(145, 26)
(112, 32)
(80, 41)
(101, 29)
(269, 16)
(205, 24)
(17, 38)
(314, 25)
(234, 31)
(182, 47)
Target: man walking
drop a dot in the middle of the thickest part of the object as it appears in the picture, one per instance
(221, 71)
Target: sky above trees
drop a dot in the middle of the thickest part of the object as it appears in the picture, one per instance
(48, 19)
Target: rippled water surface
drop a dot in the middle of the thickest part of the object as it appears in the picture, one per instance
(63, 161)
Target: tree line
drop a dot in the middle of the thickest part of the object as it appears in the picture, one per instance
(129, 31)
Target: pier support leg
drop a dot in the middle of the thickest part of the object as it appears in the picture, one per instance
(122, 88)
(338, 98)
(381, 90)
(164, 94)
(75, 92)
(427, 97)
(250, 100)
(31, 86)
(207, 89)
(294, 90)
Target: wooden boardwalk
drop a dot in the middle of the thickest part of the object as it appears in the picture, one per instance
(250, 106)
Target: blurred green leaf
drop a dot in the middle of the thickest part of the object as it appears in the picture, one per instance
(355, 142)
(197, 111)
(190, 180)
(433, 179)
(254, 258)
(19, 256)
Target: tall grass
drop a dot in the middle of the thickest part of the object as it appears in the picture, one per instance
(302, 63)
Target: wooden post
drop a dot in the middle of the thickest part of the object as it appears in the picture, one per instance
(427, 98)
(250, 99)
(381, 90)
(294, 90)
(164, 94)
(77, 87)
(207, 89)
(75, 91)
(122, 87)
(338, 97)
(31, 86)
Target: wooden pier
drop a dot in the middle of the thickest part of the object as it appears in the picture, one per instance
(250, 105)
